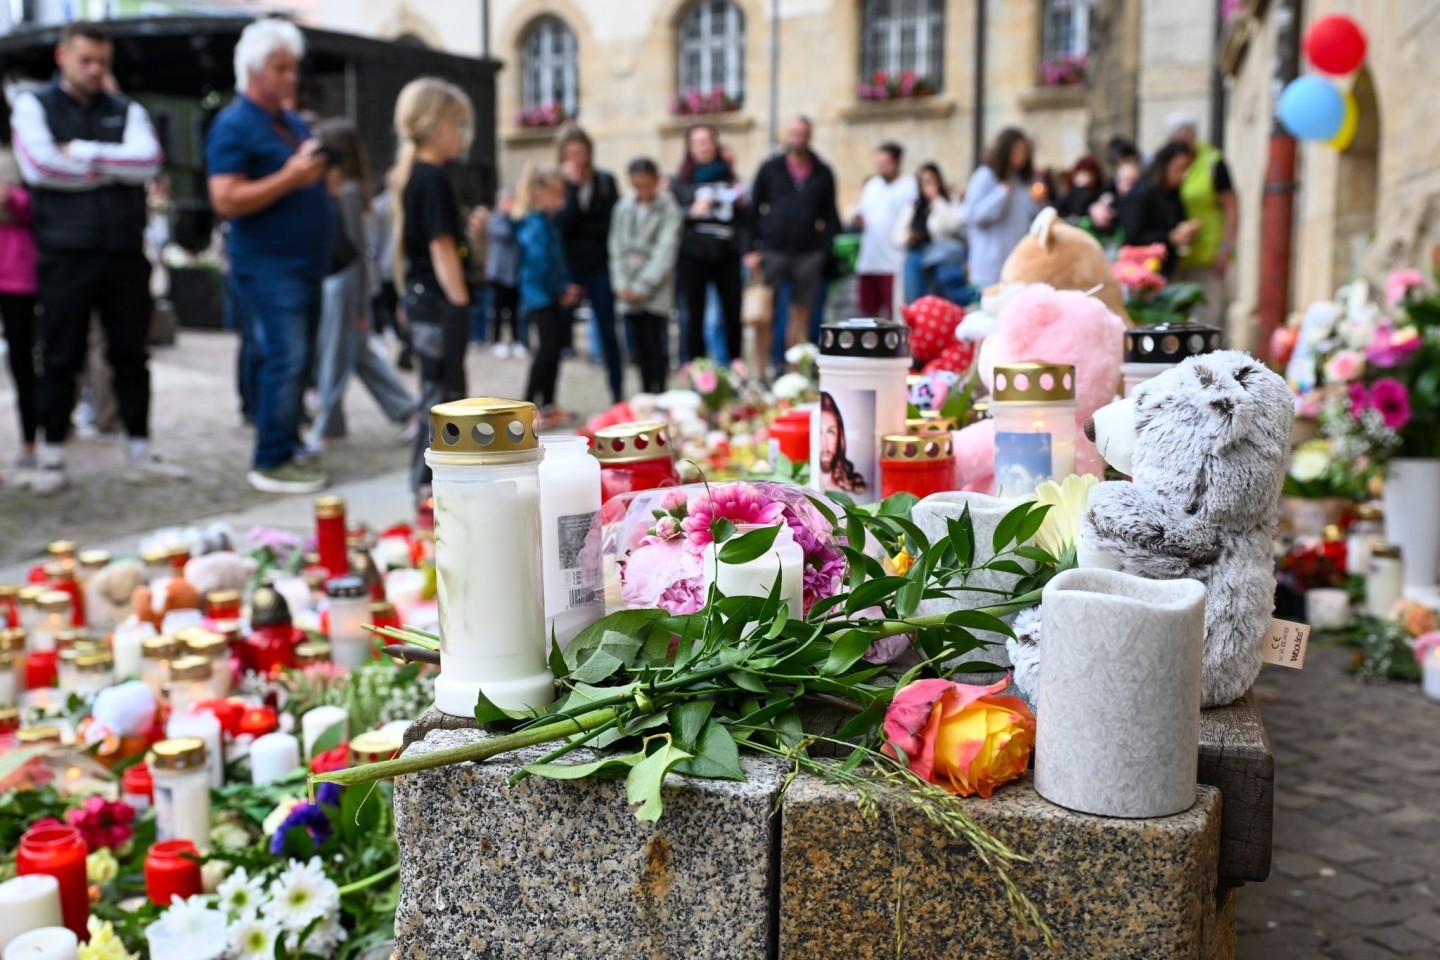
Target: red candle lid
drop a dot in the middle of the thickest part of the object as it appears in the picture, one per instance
(51, 837)
(172, 849)
(228, 712)
(136, 780)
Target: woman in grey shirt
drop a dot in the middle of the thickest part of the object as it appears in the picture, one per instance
(999, 206)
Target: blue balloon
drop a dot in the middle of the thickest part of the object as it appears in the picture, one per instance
(1311, 108)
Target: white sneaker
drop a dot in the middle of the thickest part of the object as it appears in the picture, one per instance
(500, 350)
(152, 467)
(409, 431)
(519, 351)
(46, 480)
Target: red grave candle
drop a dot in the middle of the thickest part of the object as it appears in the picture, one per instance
(169, 873)
(59, 851)
(137, 787)
(41, 669)
(921, 465)
(791, 433)
(258, 721)
(228, 712)
(330, 535)
(634, 457)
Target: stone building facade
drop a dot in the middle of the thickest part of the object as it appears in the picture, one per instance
(616, 67)
(1373, 207)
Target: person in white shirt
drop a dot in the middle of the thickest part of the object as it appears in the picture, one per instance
(885, 197)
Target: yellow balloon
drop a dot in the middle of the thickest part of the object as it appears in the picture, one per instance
(1346, 134)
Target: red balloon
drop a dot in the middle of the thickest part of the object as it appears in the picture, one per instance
(1335, 44)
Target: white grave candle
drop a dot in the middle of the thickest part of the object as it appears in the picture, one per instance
(202, 725)
(28, 903)
(46, 943)
(272, 757)
(862, 366)
(406, 589)
(484, 453)
(1033, 405)
(1430, 673)
(203, 938)
(569, 502)
(125, 645)
(315, 722)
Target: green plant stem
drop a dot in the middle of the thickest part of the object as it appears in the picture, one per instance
(371, 880)
(892, 628)
(482, 750)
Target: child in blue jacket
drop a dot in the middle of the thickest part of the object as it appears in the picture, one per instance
(545, 288)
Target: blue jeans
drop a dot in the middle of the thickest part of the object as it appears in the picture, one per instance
(480, 314)
(602, 308)
(277, 312)
(782, 319)
(916, 276)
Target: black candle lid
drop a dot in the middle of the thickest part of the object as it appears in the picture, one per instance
(1170, 342)
(866, 337)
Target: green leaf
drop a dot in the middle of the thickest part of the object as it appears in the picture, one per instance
(716, 757)
(825, 511)
(778, 624)
(872, 592)
(908, 597)
(957, 404)
(627, 623)
(335, 735)
(854, 531)
(599, 662)
(976, 620)
(1033, 521)
(1009, 526)
(898, 504)
(824, 605)
(748, 681)
(1007, 566)
(579, 771)
(749, 546)
(721, 529)
(868, 719)
(1036, 554)
(962, 538)
(848, 648)
(688, 719)
(844, 499)
(916, 542)
(642, 786)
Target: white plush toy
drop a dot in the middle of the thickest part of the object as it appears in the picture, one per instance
(1207, 445)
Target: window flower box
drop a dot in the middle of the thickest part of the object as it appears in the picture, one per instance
(550, 114)
(908, 85)
(695, 103)
(1066, 71)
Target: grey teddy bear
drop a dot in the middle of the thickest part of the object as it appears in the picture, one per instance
(1207, 444)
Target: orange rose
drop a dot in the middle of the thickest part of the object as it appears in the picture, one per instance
(962, 737)
(1415, 617)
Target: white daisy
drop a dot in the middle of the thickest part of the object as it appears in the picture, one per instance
(241, 895)
(253, 939)
(302, 894)
(326, 936)
(187, 917)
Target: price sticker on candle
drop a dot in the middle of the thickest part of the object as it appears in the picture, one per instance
(1285, 643)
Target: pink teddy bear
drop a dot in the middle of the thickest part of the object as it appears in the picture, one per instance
(1052, 326)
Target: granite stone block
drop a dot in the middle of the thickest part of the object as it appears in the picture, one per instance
(564, 871)
(1109, 888)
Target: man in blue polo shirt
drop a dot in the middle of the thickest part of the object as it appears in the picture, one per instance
(266, 177)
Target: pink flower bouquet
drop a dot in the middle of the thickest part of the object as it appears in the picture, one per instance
(657, 544)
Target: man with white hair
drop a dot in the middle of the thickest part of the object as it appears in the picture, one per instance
(85, 151)
(1209, 198)
(266, 177)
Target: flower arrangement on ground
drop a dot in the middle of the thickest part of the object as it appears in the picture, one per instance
(1393, 648)
(1149, 297)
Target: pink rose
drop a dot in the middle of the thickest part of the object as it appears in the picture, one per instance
(673, 501)
(1344, 366)
(667, 527)
(961, 737)
(1424, 644)
(1400, 283)
(659, 567)
(706, 381)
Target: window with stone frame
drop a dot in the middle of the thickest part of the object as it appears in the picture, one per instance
(711, 51)
(901, 39)
(549, 68)
(1065, 30)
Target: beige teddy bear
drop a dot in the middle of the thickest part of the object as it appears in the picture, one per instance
(1066, 258)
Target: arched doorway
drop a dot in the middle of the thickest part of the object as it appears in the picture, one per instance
(1357, 186)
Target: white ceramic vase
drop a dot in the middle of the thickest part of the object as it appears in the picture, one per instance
(1412, 517)
(1118, 706)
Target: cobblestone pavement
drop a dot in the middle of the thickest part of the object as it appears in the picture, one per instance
(1356, 872)
(1357, 819)
(195, 421)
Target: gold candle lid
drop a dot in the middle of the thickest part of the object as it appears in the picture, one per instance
(633, 442)
(1390, 551)
(72, 637)
(28, 595)
(1369, 512)
(53, 600)
(191, 668)
(203, 643)
(43, 733)
(917, 449)
(1034, 383)
(9, 591)
(314, 652)
(329, 506)
(374, 746)
(12, 639)
(95, 661)
(159, 648)
(381, 608)
(485, 430)
(62, 549)
(180, 753)
(94, 559)
(916, 426)
(9, 718)
(221, 598)
(7, 662)
(155, 557)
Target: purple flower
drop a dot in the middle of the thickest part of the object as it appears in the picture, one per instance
(1390, 397)
(329, 794)
(1359, 399)
(1392, 347)
(311, 818)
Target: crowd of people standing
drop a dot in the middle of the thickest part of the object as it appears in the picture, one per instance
(321, 259)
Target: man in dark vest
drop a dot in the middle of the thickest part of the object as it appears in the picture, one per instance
(86, 152)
